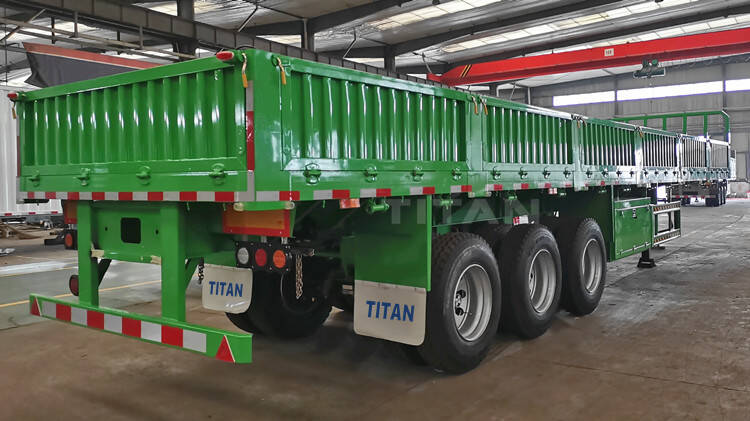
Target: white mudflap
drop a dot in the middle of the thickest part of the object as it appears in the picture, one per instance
(227, 289)
(393, 312)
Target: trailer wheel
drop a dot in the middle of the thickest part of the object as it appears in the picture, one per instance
(275, 311)
(530, 263)
(584, 265)
(463, 306)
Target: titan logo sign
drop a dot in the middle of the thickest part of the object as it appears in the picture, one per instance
(390, 311)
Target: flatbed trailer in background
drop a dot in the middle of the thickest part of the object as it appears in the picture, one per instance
(12, 208)
(714, 152)
(434, 215)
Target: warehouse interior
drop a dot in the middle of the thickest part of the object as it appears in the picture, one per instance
(668, 342)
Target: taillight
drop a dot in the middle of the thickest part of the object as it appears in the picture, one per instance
(243, 256)
(279, 259)
(13, 96)
(261, 258)
(69, 240)
(225, 55)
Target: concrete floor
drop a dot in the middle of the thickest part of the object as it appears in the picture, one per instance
(666, 343)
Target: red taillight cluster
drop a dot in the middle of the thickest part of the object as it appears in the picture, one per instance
(256, 256)
(13, 96)
(225, 55)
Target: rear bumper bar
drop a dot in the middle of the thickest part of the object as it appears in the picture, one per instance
(214, 343)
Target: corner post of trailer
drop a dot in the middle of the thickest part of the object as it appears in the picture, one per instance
(88, 267)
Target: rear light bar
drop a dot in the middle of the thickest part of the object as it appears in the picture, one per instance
(13, 96)
(267, 256)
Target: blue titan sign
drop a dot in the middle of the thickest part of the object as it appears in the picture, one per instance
(390, 311)
(226, 289)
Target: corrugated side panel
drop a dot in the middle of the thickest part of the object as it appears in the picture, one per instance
(719, 156)
(8, 166)
(333, 118)
(694, 154)
(177, 122)
(517, 136)
(162, 119)
(607, 145)
(659, 150)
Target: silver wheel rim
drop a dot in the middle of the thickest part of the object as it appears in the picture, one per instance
(472, 303)
(542, 281)
(591, 266)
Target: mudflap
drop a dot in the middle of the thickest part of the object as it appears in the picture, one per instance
(392, 261)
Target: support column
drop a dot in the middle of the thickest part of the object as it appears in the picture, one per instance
(493, 88)
(308, 36)
(88, 270)
(389, 60)
(186, 10)
(172, 233)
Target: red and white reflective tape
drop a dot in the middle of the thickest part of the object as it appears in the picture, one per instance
(520, 186)
(30, 213)
(414, 191)
(184, 196)
(518, 220)
(464, 188)
(544, 185)
(141, 329)
(374, 192)
(567, 184)
(158, 196)
(330, 194)
(493, 187)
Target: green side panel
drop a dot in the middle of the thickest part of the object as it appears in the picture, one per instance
(395, 246)
(340, 119)
(163, 129)
(522, 144)
(207, 341)
(633, 223)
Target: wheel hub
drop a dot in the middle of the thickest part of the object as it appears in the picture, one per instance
(472, 303)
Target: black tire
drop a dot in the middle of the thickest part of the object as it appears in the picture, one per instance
(580, 292)
(274, 310)
(412, 354)
(493, 234)
(242, 321)
(552, 223)
(712, 202)
(523, 244)
(685, 201)
(445, 347)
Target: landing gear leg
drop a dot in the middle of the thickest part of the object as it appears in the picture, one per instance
(646, 262)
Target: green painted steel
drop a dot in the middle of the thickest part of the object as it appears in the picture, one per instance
(684, 118)
(211, 342)
(321, 127)
(308, 133)
(161, 129)
(633, 226)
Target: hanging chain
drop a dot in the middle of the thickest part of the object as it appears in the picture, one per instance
(298, 270)
(200, 272)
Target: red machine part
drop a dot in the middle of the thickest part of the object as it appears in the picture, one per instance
(721, 43)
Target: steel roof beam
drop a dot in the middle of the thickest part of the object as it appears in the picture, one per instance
(323, 22)
(424, 42)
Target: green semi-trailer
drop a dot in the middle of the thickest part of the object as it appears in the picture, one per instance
(436, 216)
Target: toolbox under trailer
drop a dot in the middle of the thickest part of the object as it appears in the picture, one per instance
(435, 215)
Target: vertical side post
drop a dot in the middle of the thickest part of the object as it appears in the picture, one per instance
(88, 268)
(172, 232)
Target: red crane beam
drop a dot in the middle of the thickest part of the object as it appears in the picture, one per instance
(710, 44)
